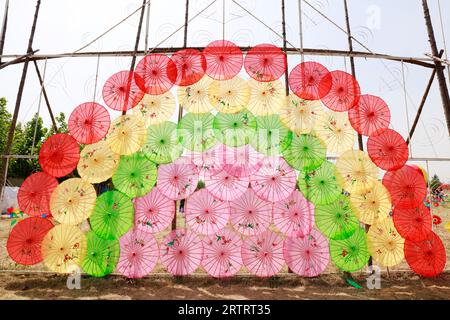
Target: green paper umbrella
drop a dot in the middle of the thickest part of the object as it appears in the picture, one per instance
(235, 129)
(305, 152)
(270, 133)
(113, 215)
(135, 176)
(163, 143)
(320, 186)
(196, 131)
(336, 220)
(350, 254)
(101, 256)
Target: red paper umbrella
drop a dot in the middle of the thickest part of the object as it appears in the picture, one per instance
(190, 64)
(155, 74)
(206, 214)
(413, 223)
(35, 192)
(426, 257)
(406, 186)
(24, 241)
(59, 155)
(226, 186)
(387, 149)
(89, 122)
(223, 59)
(181, 252)
(344, 93)
(265, 62)
(222, 253)
(120, 91)
(369, 115)
(310, 80)
(263, 254)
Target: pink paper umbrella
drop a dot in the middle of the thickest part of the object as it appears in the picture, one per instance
(242, 161)
(138, 254)
(153, 212)
(308, 255)
(263, 254)
(226, 186)
(181, 252)
(250, 215)
(294, 215)
(222, 254)
(205, 213)
(177, 180)
(275, 180)
(210, 161)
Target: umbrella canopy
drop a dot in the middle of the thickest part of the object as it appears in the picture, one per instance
(310, 80)
(155, 109)
(191, 66)
(63, 248)
(113, 215)
(163, 143)
(135, 176)
(226, 186)
(266, 97)
(139, 254)
(300, 115)
(120, 91)
(223, 59)
(335, 130)
(270, 134)
(222, 253)
(369, 115)
(385, 243)
(413, 223)
(155, 74)
(344, 93)
(242, 161)
(250, 215)
(196, 131)
(336, 220)
(210, 161)
(72, 201)
(387, 149)
(350, 254)
(97, 162)
(24, 241)
(265, 62)
(89, 122)
(126, 135)
(307, 255)
(229, 96)
(181, 252)
(407, 187)
(320, 186)
(177, 181)
(194, 98)
(274, 181)
(263, 254)
(206, 214)
(101, 255)
(426, 257)
(35, 192)
(59, 155)
(305, 152)
(154, 212)
(235, 129)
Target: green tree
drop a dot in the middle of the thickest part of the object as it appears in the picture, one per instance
(5, 120)
(61, 123)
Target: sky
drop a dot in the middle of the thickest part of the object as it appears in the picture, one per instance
(384, 26)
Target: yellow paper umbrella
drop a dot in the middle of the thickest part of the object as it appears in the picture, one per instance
(354, 170)
(385, 244)
(371, 203)
(73, 201)
(336, 131)
(300, 115)
(266, 97)
(229, 96)
(63, 248)
(126, 135)
(155, 109)
(194, 98)
(97, 162)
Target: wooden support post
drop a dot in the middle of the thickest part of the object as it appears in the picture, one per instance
(283, 25)
(4, 26)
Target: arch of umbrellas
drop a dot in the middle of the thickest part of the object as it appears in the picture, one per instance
(247, 165)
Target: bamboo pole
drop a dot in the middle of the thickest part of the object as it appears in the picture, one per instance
(4, 26)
